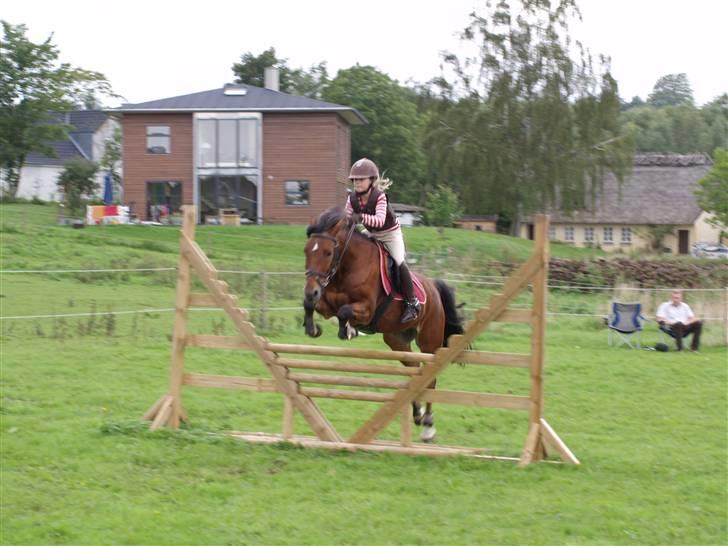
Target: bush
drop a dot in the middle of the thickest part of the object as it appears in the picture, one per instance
(643, 273)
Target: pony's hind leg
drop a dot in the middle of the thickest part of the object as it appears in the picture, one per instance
(418, 413)
(428, 419)
(430, 338)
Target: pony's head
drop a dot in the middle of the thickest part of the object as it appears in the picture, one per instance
(323, 251)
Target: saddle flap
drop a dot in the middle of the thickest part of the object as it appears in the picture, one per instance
(386, 274)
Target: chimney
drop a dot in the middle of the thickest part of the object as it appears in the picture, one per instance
(271, 78)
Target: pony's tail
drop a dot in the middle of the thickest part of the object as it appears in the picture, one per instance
(453, 321)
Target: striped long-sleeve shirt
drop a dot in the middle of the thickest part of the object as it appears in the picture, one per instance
(377, 220)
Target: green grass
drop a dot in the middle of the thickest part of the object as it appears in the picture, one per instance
(648, 427)
(79, 467)
(252, 248)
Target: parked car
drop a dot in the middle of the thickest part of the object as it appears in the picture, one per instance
(710, 251)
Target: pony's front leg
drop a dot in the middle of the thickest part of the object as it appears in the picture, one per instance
(357, 313)
(311, 328)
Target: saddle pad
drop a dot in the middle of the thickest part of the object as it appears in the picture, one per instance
(387, 282)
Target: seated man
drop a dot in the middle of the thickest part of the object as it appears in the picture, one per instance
(677, 319)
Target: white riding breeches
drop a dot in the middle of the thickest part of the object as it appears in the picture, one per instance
(393, 242)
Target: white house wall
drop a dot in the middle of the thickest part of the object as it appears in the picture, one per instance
(701, 231)
(39, 182)
(704, 232)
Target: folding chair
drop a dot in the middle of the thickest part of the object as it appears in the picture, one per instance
(666, 333)
(624, 323)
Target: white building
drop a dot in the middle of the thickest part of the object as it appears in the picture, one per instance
(92, 129)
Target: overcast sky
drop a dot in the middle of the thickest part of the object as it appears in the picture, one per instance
(162, 48)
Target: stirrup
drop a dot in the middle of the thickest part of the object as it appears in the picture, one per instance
(412, 310)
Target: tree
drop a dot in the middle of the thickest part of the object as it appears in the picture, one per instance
(679, 129)
(715, 116)
(636, 102)
(78, 182)
(712, 194)
(443, 207)
(34, 89)
(296, 81)
(671, 90)
(524, 126)
(393, 136)
(309, 83)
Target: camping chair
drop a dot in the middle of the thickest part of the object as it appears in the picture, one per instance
(666, 332)
(624, 323)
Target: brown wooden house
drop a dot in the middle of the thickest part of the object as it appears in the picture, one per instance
(478, 222)
(256, 152)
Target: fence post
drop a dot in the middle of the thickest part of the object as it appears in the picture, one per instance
(264, 300)
(725, 313)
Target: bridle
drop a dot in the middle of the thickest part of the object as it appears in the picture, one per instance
(325, 278)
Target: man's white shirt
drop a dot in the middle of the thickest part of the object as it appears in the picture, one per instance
(676, 313)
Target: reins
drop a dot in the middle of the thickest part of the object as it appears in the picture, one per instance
(325, 278)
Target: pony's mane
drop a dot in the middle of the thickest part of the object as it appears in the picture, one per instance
(328, 219)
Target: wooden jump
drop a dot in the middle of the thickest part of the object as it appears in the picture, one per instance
(301, 381)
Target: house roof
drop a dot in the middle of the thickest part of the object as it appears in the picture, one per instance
(242, 98)
(660, 190)
(65, 150)
(85, 123)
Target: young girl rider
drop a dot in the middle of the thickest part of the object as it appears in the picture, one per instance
(368, 205)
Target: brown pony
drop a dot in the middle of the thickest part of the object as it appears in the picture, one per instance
(343, 280)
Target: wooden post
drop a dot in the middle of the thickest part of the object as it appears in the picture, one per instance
(168, 410)
(725, 316)
(180, 322)
(534, 445)
(264, 300)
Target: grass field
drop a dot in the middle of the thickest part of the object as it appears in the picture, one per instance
(80, 467)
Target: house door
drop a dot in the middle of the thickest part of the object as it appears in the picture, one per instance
(529, 227)
(228, 192)
(683, 241)
(163, 198)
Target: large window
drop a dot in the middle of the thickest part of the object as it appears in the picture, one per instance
(158, 139)
(226, 142)
(296, 193)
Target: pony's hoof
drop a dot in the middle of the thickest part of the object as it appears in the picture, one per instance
(418, 417)
(316, 331)
(428, 434)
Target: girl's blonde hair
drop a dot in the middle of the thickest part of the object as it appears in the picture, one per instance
(382, 183)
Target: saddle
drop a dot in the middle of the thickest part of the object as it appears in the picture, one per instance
(389, 276)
